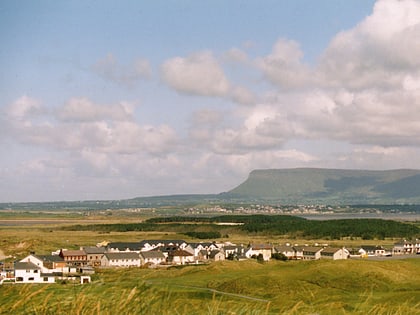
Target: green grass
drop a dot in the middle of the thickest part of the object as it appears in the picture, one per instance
(248, 287)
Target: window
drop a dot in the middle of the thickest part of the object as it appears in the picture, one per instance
(45, 279)
(31, 279)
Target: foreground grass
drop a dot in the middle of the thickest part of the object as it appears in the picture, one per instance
(318, 287)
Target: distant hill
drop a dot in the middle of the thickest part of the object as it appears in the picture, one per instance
(285, 186)
(333, 186)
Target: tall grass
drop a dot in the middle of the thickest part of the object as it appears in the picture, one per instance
(320, 287)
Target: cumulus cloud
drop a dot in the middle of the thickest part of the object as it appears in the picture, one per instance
(82, 109)
(81, 124)
(110, 69)
(378, 52)
(197, 74)
(284, 67)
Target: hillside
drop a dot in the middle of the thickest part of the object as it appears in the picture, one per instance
(334, 186)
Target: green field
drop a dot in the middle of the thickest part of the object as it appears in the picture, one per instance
(228, 287)
(248, 287)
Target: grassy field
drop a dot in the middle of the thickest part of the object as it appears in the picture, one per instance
(228, 287)
(248, 287)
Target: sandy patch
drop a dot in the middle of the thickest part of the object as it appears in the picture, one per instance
(2, 255)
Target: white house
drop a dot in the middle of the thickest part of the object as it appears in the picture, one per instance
(47, 263)
(121, 259)
(181, 257)
(335, 253)
(406, 247)
(152, 257)
(195, 248)
(311, 253)
(234, 251)
(147, 245)
(259, 249)
(28, 272)
(369, 250)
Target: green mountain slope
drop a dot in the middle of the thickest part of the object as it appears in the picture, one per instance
(307, 185)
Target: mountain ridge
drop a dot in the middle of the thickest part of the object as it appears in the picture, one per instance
(323, 185)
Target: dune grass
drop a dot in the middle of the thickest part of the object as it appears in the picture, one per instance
(248, 287)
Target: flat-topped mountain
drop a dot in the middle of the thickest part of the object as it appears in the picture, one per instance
(339, 186)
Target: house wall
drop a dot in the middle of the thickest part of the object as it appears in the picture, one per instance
(32, 276)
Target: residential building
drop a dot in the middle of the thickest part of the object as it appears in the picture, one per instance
(153, 257)
(335, 253)
(121, 259)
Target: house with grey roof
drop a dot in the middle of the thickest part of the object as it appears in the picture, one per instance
(28, 272)
(153, 257)
(121, 259)
(335, 253)
(311, 252)
(94, 255)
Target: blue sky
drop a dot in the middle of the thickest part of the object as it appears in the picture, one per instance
(111, 99)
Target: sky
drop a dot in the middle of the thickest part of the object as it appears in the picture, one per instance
(121, 99)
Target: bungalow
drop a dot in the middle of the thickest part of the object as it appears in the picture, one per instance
(259, 249)
(195, 248)
(124, 259)
(152, 257)
(311, 253)
(370, 250)
(335, 253)
(181, 257)
(28, 272)
(74, 258)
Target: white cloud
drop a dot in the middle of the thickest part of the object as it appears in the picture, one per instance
(197, 74)
(379, 51)
(284, 66)
(23, 107)
(82, 109)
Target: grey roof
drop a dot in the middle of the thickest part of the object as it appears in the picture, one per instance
(330, 250)
(127, 255)
(284, 248)
(164, 242)
(180, 252)
(152, 254)
(311, 249)
(233, 247)
(50, 258)
(371, 247)
(204, 244)
(94, 250)
(122, 246)
(26, 266)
